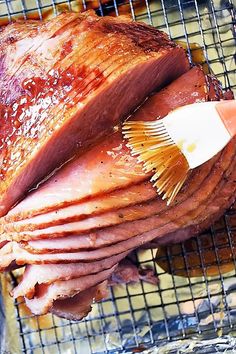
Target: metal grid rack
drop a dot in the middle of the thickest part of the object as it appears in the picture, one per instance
(194, 299)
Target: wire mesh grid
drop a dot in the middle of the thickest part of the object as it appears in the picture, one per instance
(194, 298)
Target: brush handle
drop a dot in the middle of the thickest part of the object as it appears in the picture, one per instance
(227, 113)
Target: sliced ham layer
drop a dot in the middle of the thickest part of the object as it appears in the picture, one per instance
(47, 294)
(44, 239)
(77, 307)
(205, 178)
(193, 212)
(95, 206)
(139, 211)
(105, 237)
(47, 274)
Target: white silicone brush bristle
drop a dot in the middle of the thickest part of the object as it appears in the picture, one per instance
(159, 154)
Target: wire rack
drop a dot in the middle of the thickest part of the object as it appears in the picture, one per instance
(193, 307)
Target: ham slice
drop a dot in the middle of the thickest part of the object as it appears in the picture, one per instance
(194, 214)
(47, 274)
(58, 83)
(120, 216)
(78, 306)
(119, 198)
(47, 294)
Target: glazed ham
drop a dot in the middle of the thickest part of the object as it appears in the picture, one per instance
(110, 161)
(63, 86)
(157, 207)
(196, 88)
(74, 228)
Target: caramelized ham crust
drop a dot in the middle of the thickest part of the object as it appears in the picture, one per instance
(64, 84)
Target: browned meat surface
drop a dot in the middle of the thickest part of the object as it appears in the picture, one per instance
(77, 307)
(62, 86)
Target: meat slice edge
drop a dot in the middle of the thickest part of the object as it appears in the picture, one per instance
(47, 274)
(77, 307)
(43, 301)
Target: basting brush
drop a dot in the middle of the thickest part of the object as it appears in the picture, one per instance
(183, 140)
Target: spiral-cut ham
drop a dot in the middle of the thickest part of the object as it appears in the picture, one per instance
(63, 85)
(200, 186)
(110, 161)
(113, 163)
(197, 88)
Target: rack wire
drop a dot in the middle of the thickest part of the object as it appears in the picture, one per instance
(193, 306)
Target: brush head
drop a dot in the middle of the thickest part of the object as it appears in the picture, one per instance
(158, 153)
(186, 138)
